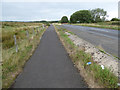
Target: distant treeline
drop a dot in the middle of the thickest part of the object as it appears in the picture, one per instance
(35, 21)
(45, 21)
(81, 16)
(88, 16)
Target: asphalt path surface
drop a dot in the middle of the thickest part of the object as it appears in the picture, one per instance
(50, 66)
(105, 38)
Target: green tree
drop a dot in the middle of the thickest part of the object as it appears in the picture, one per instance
(64, 19)
(115, 19)
(82, 16)
(98, 15)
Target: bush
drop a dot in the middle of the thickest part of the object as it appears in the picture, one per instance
(115, 19)
(47, 24)
(116, 23)
(7, 39)
(64, 19)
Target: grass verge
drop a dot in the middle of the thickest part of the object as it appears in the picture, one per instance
(105, 25)
(94, 75)
(12, 62)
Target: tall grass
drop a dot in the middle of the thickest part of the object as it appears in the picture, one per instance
(12, 61)
(7, 39)
(13, 28)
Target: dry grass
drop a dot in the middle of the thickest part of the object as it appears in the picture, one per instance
(106, 25)
(92, 73)
(14, 62)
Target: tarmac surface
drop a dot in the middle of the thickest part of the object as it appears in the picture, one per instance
(105, 38)
(50, 66)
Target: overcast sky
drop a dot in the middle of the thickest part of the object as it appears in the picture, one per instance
(30, 10)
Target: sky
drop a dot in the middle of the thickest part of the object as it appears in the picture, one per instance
(36, 10)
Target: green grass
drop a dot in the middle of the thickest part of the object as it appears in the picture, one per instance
(117, 57)
(102, 51)
(14, 62)
(104, 77)
(106, 25)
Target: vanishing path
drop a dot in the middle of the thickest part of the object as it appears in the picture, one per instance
(105, 38)
(50, 66)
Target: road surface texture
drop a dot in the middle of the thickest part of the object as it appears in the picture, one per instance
(50, 66)
(105, 38)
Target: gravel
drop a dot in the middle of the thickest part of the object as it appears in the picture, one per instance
(101, 58)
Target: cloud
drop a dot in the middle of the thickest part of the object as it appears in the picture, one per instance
(119, 10)
(25, 11)
(112, 14)
(59, 0)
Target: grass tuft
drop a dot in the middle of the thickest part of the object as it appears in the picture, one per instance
(13, 62)
(102, 76)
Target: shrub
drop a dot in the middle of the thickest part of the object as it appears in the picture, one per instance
(64, 19)
(115, 19)
(7, 39)
(47, 24)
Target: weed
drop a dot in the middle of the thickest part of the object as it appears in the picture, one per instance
(12, 61)
(102, 51)
(103, 76)
(106, 25)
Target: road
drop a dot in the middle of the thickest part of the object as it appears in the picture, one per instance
(105, 38)
(50, 66)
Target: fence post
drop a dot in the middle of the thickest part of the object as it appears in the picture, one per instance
(43, 26)
(27, 33)
(33, 32)
(38, 29)
(16, 43)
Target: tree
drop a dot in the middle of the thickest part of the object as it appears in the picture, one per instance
(64, 19)
(98, 15)
(115, 19)
(82, 16)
